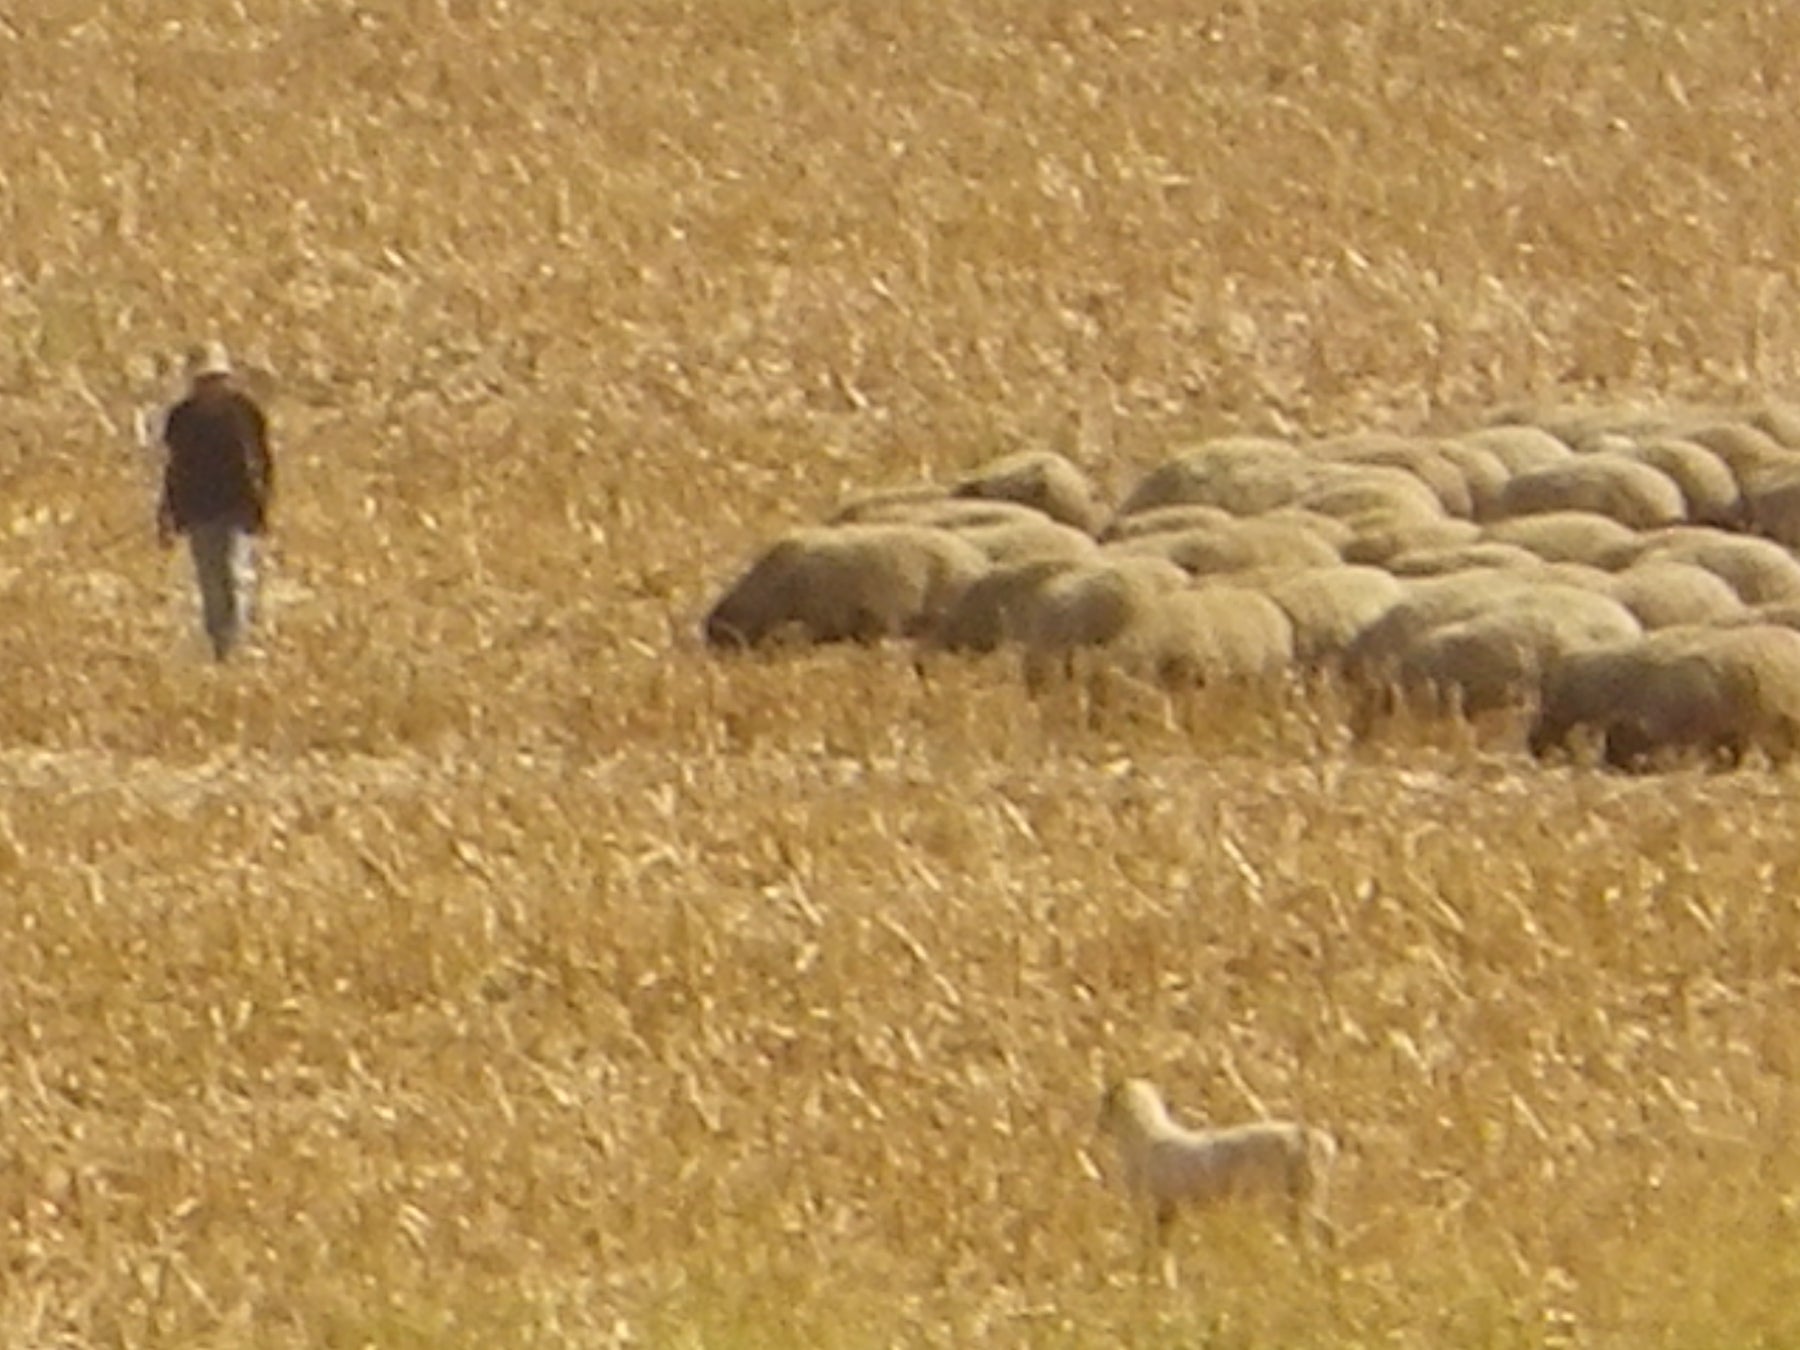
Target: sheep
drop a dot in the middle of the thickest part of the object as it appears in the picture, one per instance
(1663, 593)
(1090, 605)
(1496, 659)
(1236, 546)
(1576, 424)
(1520, 449)
(1164, 520)
(1476, 556)
(1384, 535)
(1245, 475)
(1217, 632)
(1632, 493)
(1017, 541)
(1564, 536)
(1781, 421)
(1329, 606)
(1750, 453)
(1484, 474)
(1425, 604)
(1042, 480)
(856, 583)
(1706, 482)
(1422, 459)
(1168, 1168)
(1348, 491)
(1772, 505)
(1721, 692)
(1759, 570)
(990, 610)
(1180, 519)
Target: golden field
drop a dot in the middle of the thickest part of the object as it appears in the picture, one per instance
(482, 963)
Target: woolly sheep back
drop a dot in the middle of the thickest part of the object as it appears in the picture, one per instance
(1716, 691)
(1564, 536)
(845, 583)
(1329, 607)
(1474, 556)
(1485, 475)
(1705, 481)
(1235, 546)
(1663, 593)
(1016, 541)
(1520, 449)
(1497, 658)
(1042, 480)
(1245, 475)
(1759, 570)
(1383, 536)
(1218, 632)
(1091, 604)
(1164, 520)
(1630, 492)
(990, 611)
(1750, 454)
(1421, 459)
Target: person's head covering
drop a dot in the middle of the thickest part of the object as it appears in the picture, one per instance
(209, 360)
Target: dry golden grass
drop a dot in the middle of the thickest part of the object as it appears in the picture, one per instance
(484, 965)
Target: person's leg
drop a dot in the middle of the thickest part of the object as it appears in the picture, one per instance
(223, 565)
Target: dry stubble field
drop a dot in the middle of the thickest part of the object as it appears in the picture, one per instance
(484, 964)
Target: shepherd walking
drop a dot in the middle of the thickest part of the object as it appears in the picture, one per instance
(216, 490)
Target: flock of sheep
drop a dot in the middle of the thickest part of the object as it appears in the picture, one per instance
(1624, 574)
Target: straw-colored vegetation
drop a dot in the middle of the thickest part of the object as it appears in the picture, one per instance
(486, 963)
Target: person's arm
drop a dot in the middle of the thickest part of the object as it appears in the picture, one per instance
(260, 463)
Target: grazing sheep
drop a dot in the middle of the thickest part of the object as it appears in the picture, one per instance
(1759, 570)
(1772, 505)
(1330, 606)
(1245, 475)
(1576, 424)
(1484, 474)
(1630, 492)
(1663, 593)
(1520, 449)
(1480, 554)
(1750, 453)
(1383, 535)
(990, 611)
(1168, 1168)
(1042, 480)
(1497, 658)
(1016, 541)
(1721, 692)
(1422, 459)
(1780, 421)
(1347, 491)
(1427, 603)
(855, 583)
(1706, 482)
(1564, 536)
(1216, 632)
(217, 484)
(1164, 520)
(1779, 613)
(1092, 605)
(1236, 546)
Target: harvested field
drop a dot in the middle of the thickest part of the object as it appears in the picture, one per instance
(484, 961)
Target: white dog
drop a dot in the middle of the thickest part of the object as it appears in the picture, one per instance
(1168, 1168)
